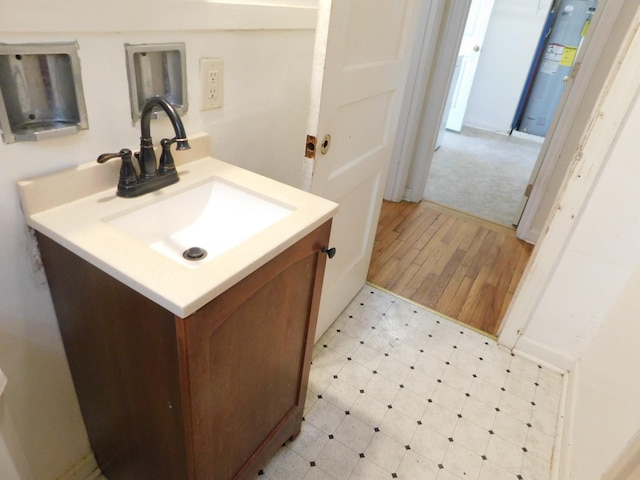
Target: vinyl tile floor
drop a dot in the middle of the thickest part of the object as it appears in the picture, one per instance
(397, 391)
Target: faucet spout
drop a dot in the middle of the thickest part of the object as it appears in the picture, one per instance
(147, 157)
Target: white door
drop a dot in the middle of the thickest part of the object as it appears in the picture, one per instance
(468, 56)
(359, 73)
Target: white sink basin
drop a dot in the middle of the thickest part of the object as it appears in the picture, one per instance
(214, 216)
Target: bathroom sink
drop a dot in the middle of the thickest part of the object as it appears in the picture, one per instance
(201, 223)
(242, 219)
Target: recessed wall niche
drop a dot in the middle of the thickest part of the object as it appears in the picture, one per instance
(156, 69)
(40, 91)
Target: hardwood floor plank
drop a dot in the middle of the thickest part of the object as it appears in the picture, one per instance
(464, 268)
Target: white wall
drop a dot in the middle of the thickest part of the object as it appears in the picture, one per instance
(267, 52)
(512, 36)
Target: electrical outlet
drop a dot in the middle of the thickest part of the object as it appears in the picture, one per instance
(212, 73)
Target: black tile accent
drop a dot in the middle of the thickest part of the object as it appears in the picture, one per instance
(261, 472)
(524, 449)
(386, 354)
(429, 400)
(450, 439)
(330, 437)
(484, 457)
(319, 395)
(335, 376)
(324, 346)
(533, 403)
(459, 415)
(347, 412)
(467, 394)
(389, 406)
(312, 463)
(474, 375)
(407, 447)
(482, 359)
(503, 389)
(440, 466)
(455, 347)
(520, 477)
(529, 425)
(491, 432)
(361, 342)
(376, 429)
(447, 363)
(412, 367)
(361, 455)
(401, 386)
(338, 330)
(508, 371)
(361, 391)
(349, 358)
(394, 475)
(375, 372)
(439, 381)
(497, 409)
(419, 422)
(421, 350)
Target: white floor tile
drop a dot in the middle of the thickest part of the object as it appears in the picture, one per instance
(462, 462)
(430, 444)
(398, 426)
(395, 391)
(355, 433)
(337, 459)
(287, 465)
(416, 467)
(385, 452)
(341, 394)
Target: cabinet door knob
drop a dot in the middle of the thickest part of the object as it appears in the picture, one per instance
(329, 251)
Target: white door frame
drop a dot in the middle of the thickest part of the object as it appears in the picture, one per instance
(559, 145)
(613, 24)
(438, 41)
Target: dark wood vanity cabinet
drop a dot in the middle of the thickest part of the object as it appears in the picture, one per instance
(208, 397)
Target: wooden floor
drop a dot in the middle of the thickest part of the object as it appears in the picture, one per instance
(458, 265)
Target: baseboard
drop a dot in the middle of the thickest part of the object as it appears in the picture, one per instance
(568, 368)
(85, 469)
(562, 444)
(545, 356)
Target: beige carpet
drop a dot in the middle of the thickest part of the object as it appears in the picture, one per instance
(482, 173)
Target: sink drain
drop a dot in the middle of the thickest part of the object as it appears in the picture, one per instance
(194, 253)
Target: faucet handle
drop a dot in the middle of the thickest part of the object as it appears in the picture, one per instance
(166, 165)
(128, 176)
(108, 156)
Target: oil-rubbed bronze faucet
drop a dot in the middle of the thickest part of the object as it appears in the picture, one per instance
(151, 176)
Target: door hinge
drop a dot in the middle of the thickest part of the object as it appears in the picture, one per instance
(528, 190)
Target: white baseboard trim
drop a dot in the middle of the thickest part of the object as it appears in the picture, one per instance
(85, 469)
(561, 447)
(545, 356)
(568, 368)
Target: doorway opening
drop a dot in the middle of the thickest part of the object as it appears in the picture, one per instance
(441, 251)
(482, 173)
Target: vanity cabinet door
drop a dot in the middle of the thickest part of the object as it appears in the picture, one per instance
(248, 354)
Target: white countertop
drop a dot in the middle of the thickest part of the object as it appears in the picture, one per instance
(71, 207)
